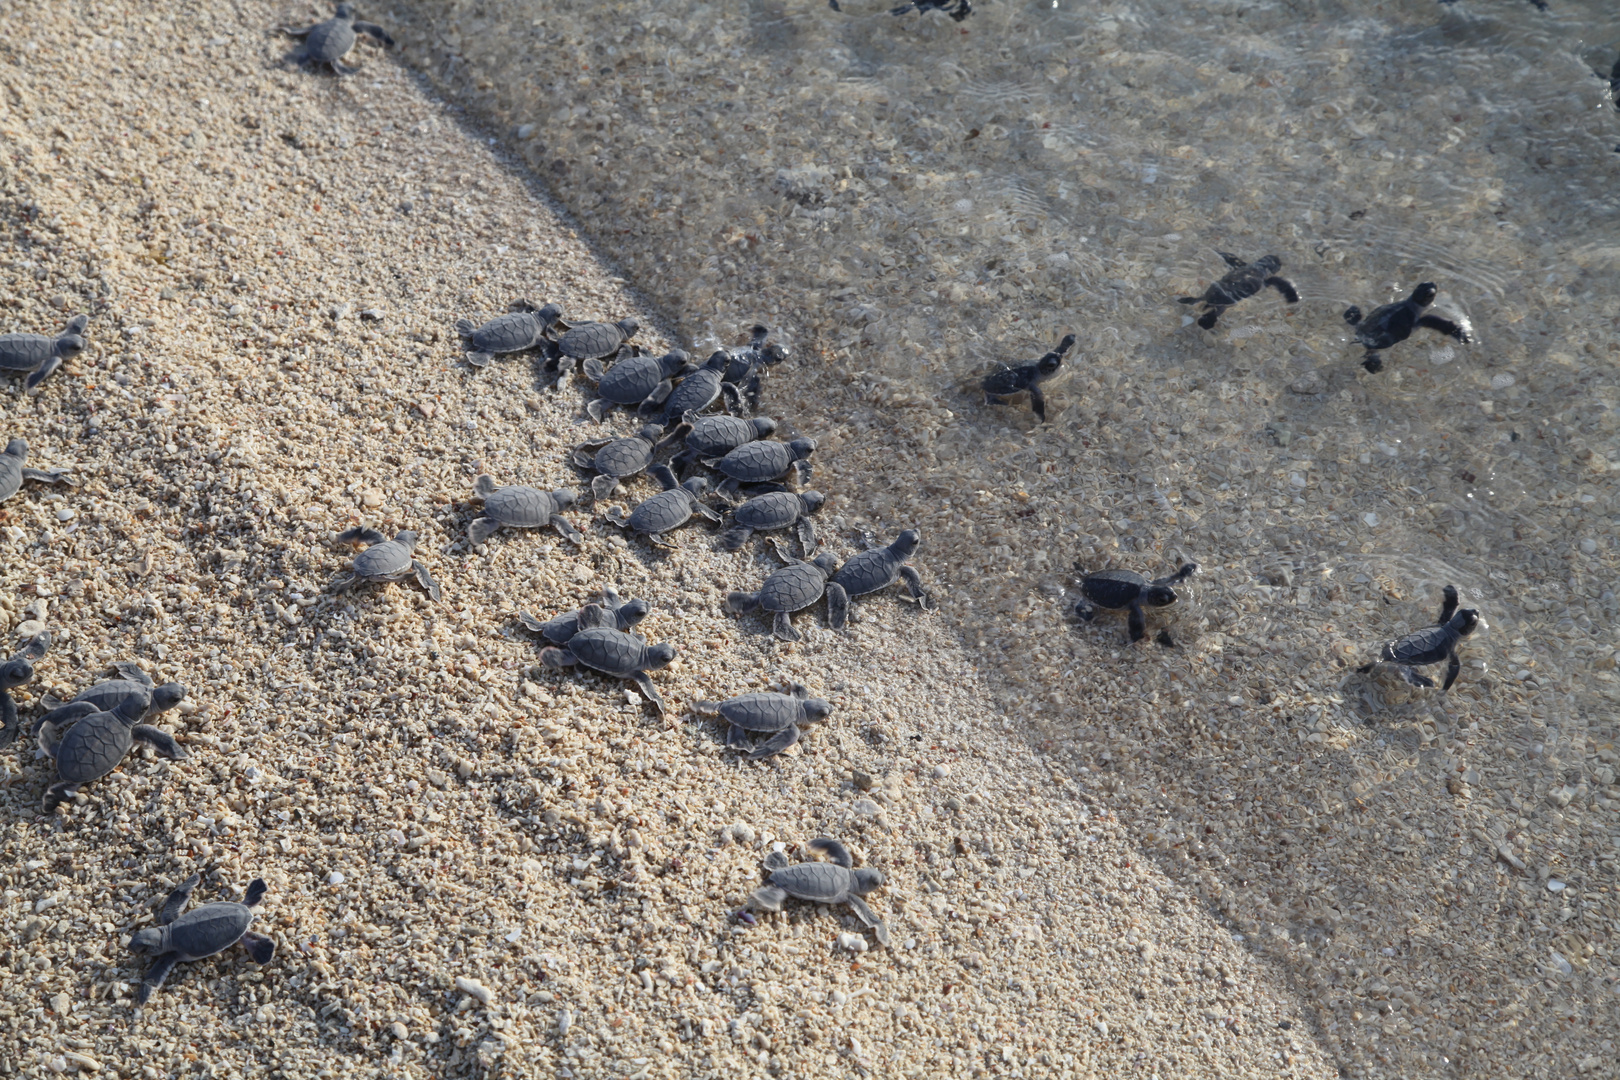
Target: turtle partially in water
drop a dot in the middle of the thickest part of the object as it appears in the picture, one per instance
(330, 41)
(1129, 591)
(1431, 644)
(1241, 282)
(1007, 381)
(746, 365)
(1391, 324)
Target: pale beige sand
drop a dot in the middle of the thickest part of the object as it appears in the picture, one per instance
(473, 864)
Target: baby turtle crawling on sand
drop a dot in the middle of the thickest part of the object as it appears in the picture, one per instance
(718, 435)
(523, 327)
(1128, 590)
(330, 41)
(598, 646)
(634, 381)
(201, 932)
(668, 510)
(108, 694)
(747, 363)
(1431, 644)
(619, 459)
(874, 569)
(702, 388)
(1392, 324)
(18, 671)
(1007, 381)
(40, 354)
(793, 588)
(561, 630)
(762, 461)
(520, 507)
(774, 510)
(384, 560)
(1240, 283)
(594, 340)
(88, 743)
(13, 472)
(776, 715)
(833, 882)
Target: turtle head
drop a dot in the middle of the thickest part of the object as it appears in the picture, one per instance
(70, 345)
(633, 612)
(675, 362)
(865, 880)
(697, 487)
(16, 672)
(1048, 364)
(763, 426)
(345, 11)
(661, 655)
(549, 314)
(816, 708)
(17, 448)
(406, 537)
(906, 543)
(563, 498)
(1158, 596)
(1269, 264)
(628, 327)
(802, 448)
(718, 360)
(757, 335)
(484, 486)
(1424, 294)
(1465, 622)
(826, 562)
(812, 501)
(148, 940)
(167, 696)
(651, 433)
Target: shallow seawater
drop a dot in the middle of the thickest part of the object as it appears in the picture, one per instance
(909, 199)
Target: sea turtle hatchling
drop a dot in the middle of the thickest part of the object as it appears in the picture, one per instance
(108, 694)
(773, 714)
(518, 506)
(668, 510)
(15, 672)
(1130, 591)
(200, 932)
(523, 327)
(1431, 644)
(764, 460)
(13, 472)
(874, 569)
(833, 882)
(561, 629)
(40, 354)
(615, 460)
(330, 41)
(634, 381)
(594, 340)
(384, 560)
(1008, 381)
(1392, 324)
(88, 743)
(718, 435)
(794, 587)
(597, 645)
(702, 388)
(747, 362)
(1240, 283)
(771, 511)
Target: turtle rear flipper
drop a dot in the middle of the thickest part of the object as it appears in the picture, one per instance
(152, 982)
(734, 538)
(259, 947)
(1429, 322)
(57, 794)
(737, 738)
(1208, 319)
(1411, 676)
(481, 529)
(602, 485)
(741, 603)
(776, 743)
(465, 328)
(553, 657)
(40, 373)
(531, 622)
(1373, 363)
(479, 359)
(360, 535)
(159, 740)
(870, 918)
(782, 627)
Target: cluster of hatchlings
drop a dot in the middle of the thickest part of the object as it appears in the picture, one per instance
(758, 488)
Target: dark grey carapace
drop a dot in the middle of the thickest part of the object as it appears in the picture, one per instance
(1131, 592)
(1431, 644)
(1007, 381)
(1241, 282)
(1392, 324)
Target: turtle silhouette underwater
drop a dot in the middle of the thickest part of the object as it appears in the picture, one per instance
(518, 506)
(384, 560)
(600, 646)
(1007, 381)
(15, 672)
(1391, 324)
(330, 41)
(747, 365)
(1129, 591)
(87, 743)
(198, 933)
(523, 327)
(561, 629)
(835, 881)
(13, 472)
(776, 715)
(38, 355)
(874, 569)
(1431, 644)
(1240, 283)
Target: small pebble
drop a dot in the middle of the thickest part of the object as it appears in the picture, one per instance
(65, 514)
(863, 781)
(941, 771)
(1555, 886)
(475, 990)
(336, 878)
(29, 628)
(855, 943)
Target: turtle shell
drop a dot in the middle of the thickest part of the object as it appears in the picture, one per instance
(1010, 380)
(773, 510)
(209, 929)
(93, 747)
(1429, 645)
(630, 380)
(793, 587)
(1388, 325)
(520, 506)
(110, 694)
(716, 436)
(697, 391)
(592, 341)
(664, 511)
(610, 651)
(330, 41)
(11, 467)
(507, 333)
(756, 462)
(1113, 588)
(818, 882)
(389, 559)
(869, 571)
(624, 457)
(1242, 282)
(763, 711)
(25, 352)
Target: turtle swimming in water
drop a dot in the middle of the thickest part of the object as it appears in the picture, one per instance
(1007, 381)
(330, 41)
(1128, 590)
(1392, 324)
(1240, 283)
(40, 354)
(773, 714)
(200, 932)
(833, 882)
(1431, 644)
(747, 363)
(523, 327)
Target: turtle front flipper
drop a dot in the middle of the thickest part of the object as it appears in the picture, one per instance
(39, 375)
(481, 529)
(255, 892)
(1373, 363)
(1453, 668)
(176, 901)
(57, 794)
(153, 981)
(659, 540)
(835, 851)
(645, 684)
(425, 579)
(375, 31)
(1208, 319)
(870, 918)
(1232, 260)
(1448, 606)
(159, 740)
(705, 511)
(360, 535)
(807, 537)
(1429, 322)
(305, 32)
(914, 588)
(731, 398)
(1137, 622)
(1037, 402)
(837, 606)
(566, 530)
(10, 726)
(1284, 286)
(259, 947)
(776, 743)
(782, 627)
